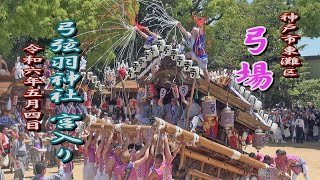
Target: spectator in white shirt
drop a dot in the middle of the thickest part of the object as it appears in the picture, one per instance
(299, 127)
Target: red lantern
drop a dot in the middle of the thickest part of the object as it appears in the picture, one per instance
(151, 91)
(175, 91)
(122, 72)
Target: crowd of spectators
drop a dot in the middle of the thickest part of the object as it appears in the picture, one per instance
(297, 124)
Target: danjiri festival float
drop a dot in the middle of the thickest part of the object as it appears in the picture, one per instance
(155, 111)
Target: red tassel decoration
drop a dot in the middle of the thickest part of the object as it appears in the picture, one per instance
(122, 72)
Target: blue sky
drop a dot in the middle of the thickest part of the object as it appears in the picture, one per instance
(312, 48)
(312, 45)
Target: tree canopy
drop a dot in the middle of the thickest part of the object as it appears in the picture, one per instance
(306, 91)
(25, 21)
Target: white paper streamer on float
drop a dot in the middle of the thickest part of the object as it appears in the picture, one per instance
(274, 127)
(158, 14)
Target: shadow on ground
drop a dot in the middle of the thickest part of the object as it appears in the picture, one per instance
(305, 145)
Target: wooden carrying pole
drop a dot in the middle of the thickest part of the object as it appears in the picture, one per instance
(193, 172)
(213, 146)
(182, 158)
(213, 162)
(187, 136)
(190, 102)
(132, 129)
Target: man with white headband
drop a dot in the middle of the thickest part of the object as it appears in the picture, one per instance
(196, 43)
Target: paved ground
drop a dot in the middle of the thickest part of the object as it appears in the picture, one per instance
(308, 151)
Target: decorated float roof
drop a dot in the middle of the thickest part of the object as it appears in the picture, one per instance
(246, 114)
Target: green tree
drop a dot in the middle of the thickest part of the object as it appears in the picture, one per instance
(23, 21)
(309, 13)
(306, 91)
